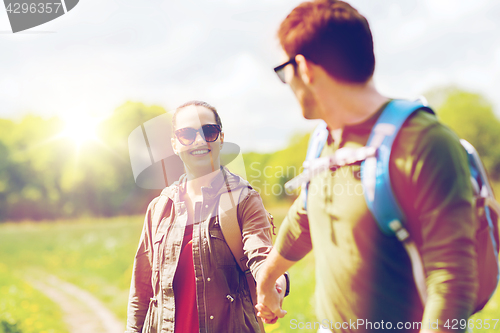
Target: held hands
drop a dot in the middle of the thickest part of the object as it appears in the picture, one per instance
(270, 300)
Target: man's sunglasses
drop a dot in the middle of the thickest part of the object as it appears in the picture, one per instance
(209, 132)
(280, 70)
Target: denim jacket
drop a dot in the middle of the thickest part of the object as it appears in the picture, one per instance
(223, 298)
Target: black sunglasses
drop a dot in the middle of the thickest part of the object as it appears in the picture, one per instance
(280, 70)
(187, 135)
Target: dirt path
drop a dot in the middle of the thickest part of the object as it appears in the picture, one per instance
(83, 312)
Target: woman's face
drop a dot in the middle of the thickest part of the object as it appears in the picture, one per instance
(200, 157)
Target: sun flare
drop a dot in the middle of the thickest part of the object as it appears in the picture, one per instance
(80, 128)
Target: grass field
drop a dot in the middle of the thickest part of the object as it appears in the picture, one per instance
(96, 255)
(24, 309)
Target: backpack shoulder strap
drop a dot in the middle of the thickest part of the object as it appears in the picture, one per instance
(162, 205)
(228, 210)
(317, 141)
(228, 204)
(316, 144)
(377, 186)
(375, 170)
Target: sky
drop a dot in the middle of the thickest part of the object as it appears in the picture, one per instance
(103, 53)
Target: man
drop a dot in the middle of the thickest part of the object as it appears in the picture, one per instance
(363, 276)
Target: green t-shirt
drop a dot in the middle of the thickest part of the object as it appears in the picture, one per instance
(362, 274)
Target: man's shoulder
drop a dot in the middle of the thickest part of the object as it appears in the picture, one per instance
(422, 131)
(422, 118)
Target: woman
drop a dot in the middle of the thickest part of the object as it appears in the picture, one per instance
(185, 278)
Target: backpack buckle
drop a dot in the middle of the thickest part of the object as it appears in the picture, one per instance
(401, 233)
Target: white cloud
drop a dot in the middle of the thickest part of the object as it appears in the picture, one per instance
(453, 9)
(103, 53)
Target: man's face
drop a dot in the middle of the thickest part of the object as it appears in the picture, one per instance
(200, 157)
(303, 93)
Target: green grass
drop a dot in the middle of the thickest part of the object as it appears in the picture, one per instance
(97, 255)
(24, 309)
(300, 303)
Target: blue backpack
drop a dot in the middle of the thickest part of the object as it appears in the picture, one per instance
(384, 205)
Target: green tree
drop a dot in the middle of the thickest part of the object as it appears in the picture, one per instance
(268, 173)
(27, 187)
(472, 117)
(46, 176)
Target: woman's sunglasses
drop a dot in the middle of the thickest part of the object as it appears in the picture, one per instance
(186, 136)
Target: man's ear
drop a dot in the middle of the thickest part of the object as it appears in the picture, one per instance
(221, 138)
(304, 69)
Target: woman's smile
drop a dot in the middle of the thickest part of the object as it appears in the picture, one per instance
(198, 152)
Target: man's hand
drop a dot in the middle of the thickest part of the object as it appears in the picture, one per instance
(271, 286)
(264, 312)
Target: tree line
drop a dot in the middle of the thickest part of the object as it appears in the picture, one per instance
(43, 177)
(46, 177)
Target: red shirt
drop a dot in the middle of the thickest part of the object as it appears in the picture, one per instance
(186, 310)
